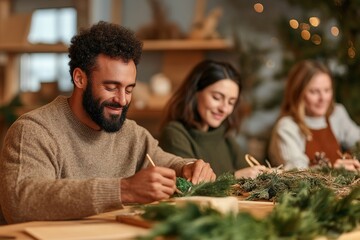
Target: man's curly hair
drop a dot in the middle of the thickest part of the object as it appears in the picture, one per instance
(105, 38)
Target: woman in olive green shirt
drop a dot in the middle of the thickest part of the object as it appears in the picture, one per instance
(202, 117)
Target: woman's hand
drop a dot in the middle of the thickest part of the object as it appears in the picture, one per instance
(348, 164)
(250, 172)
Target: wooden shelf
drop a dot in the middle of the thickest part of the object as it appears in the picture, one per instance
(166, 45)
(149, 45)
(33, 48)
(147, 113)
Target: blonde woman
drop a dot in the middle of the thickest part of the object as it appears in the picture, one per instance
(312, 128)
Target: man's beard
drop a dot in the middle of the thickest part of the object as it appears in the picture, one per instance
(95, 109)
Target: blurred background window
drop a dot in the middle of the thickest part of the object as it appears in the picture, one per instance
(48, 26)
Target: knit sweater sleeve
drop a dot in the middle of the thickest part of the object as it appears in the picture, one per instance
(239, 155)
(32, 186)
(175, 139)
(347, 132)
(287, 145)
(161, 157)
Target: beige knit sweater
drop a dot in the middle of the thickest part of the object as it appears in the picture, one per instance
(53, 167)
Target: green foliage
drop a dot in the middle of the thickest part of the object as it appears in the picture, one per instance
(183, 185)
(183, 222)
(311, 203)
(193, 222)
(8, 111)
(159, 212)
(302, 216)
(270, 186)
(221, 187)
(339, 176)
(316, 213)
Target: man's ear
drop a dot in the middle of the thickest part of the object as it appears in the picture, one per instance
(80, 79)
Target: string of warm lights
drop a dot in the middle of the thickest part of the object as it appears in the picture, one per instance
(305, 29)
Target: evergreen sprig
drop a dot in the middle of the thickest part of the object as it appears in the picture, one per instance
(270, 186)
(221, 187)
(302, 216)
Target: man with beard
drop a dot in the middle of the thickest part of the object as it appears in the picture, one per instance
(80, 156)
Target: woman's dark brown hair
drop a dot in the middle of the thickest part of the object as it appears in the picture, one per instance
(183, 104)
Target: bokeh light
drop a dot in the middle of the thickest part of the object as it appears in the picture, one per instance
(305, 34)
(316, 39)
(294, 23)
(258, 7)
(304, 26)
(351, 52)
(314, 21)
(335, 31)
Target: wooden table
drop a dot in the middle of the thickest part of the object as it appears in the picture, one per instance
(102, 226)
(105, 227)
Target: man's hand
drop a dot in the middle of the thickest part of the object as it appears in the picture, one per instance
(198, 171)
(148, 185)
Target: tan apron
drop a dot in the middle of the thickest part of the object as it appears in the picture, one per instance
(322, 147)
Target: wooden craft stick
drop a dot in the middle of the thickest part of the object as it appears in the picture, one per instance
(150, 160)
(251, 160)
(280, 166)
(268, 163)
